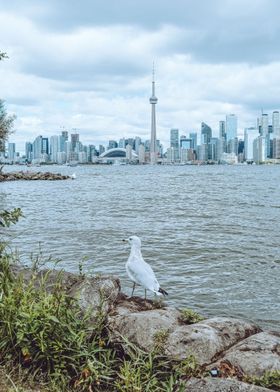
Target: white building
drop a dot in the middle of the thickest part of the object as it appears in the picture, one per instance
(276, 125)
(260, 149)
(250, 134)
(141, 153)
(54, 148)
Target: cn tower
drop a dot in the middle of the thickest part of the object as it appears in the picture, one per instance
(153, 102)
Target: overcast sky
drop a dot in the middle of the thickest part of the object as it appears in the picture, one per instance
(87, 65)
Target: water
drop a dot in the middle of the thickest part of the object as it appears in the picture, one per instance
(211, 233)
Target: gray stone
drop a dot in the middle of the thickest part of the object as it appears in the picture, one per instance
(140, 328)
(221, 385)
(97, 293)
(205, 340)
(255, 355)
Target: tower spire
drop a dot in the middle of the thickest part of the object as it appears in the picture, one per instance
(153, 102)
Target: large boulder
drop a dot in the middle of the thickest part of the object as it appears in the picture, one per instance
(255, 355)
(221, 385)
(98, 293)
(205, 340)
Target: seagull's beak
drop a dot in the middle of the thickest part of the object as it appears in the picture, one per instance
(123, 240)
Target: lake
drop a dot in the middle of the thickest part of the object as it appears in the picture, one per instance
(211, 233)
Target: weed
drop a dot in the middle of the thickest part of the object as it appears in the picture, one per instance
(270, 379)
(160, 338)
(189, 316)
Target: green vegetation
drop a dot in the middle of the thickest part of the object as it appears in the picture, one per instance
(46, 339)
(189, 316)
(160, 340)
(6, 124)
(269, 380)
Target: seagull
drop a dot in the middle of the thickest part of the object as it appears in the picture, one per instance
(139, 271)
(73, 176)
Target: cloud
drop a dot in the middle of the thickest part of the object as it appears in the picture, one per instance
(88, 65)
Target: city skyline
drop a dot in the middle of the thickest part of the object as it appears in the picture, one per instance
(259, 144)
(88, 66)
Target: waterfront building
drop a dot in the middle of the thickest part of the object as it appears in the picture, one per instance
(122, 143)
(228, 158)
(260, 149)
(170, 155)
(82, 157)
(64, 134)
(264, 124)
(186, 143)
(275, 124)
(231, 127)
(137, 143)
(28, 151)
(206, 133)
(12, 152)
(213, 149)
(222, 129)
(68, 149)
(147, 146)
(203, 152)
(193, 137)
(250, 134)
(276, 148)
(128, 154)
(74, 140)
(61, 157)
(141, 153)
(112, 144)
(221, 148)
(101, 149)
(232, 146)
(174, 142)
(54, 148)
(153, 102)
(40, 147)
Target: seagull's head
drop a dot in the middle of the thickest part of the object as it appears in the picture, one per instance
(134, 241)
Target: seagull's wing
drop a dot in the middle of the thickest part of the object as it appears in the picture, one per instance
(141, 273)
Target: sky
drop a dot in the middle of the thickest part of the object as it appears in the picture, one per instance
(86, 66)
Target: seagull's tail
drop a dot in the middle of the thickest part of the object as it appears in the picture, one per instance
(163, 292)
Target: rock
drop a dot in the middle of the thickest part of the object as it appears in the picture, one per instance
(12, 176)
(98, 293)
(221, 385)
(205, 340)
(255, 355)
(141, 328)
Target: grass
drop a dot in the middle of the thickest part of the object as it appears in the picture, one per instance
(189, 316)
(270, 380)
(47, 342)
(46, 339)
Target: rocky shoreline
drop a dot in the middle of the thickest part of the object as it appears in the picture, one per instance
(231, 350)
(28, 176)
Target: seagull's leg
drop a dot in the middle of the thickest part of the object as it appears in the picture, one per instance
(145, 294)
(133, 288)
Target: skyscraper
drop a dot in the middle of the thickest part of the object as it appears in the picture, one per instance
(153, 102)
(174, 142)
(231, 127)
(276, 124)
(222, 129)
